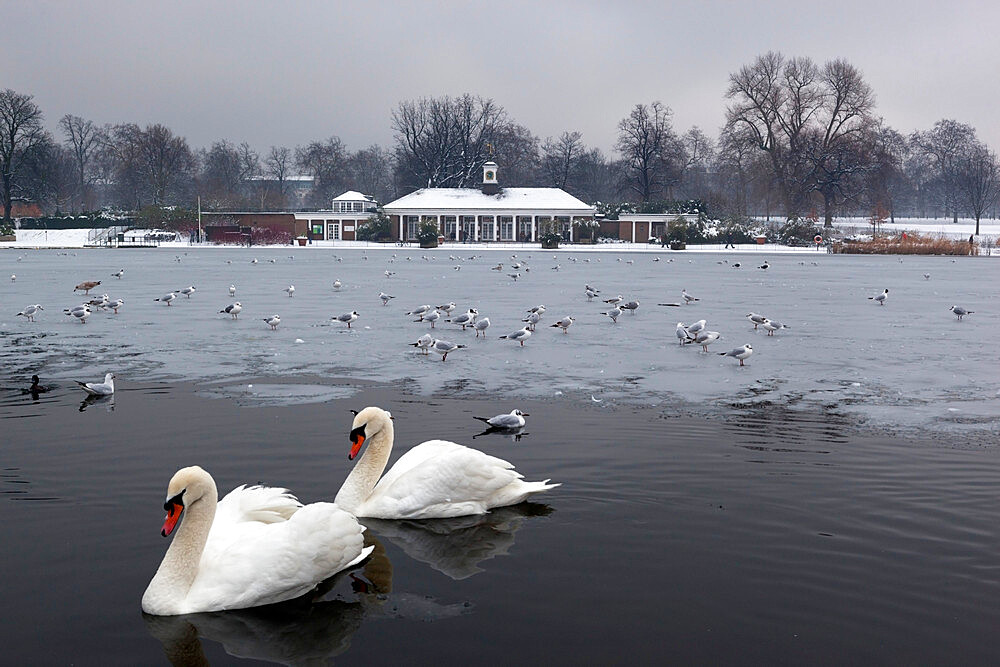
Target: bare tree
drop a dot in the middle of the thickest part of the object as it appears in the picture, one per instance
(699, 153)
(277, 167)
(561, 158)
(808, 121)
(83, 139)
(326, 162)
(371, 172)
(50, 176)
(652, 153)
(945, 147)
(21, 133)
(978, 181)
(886, 181)
(165, 163)
(443, 142)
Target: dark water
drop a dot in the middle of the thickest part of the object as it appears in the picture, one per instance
(749, 541)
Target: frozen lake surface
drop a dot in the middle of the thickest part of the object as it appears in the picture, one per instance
(909, 366)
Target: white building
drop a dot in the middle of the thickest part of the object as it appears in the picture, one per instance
(341, 221)
(490, 213)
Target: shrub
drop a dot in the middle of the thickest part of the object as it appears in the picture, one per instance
(913, 244)
(428, 231)
(376, 227)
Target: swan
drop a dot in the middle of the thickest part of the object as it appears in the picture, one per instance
(258, 545)
(434, 480)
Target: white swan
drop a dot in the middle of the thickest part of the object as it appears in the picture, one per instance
(434, 480)
(256, 546)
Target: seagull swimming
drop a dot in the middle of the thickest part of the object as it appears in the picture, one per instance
(105, 388)
(740, 353)
(520, 335)
(510, 420)
(234, 309)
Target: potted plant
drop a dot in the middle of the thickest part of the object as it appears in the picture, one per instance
(549, 235)
(427, 234)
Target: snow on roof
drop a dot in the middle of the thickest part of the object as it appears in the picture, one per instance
(351, 195)
(461, 199)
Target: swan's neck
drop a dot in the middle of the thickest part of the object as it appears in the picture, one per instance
(177, 571)
(367, 471)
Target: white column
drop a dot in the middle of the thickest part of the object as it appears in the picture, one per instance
(496, 227)
(401, 223)
(633, 231)
(534, 224)
(570, 229)
(475, 228)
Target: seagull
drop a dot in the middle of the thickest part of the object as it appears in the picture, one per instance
(347, 318)
(772, 326)
(424, 342)
(79, 312)
(737, 265)
(253, 261)
(105, 388)
(13, 277)
(591, 294)
(511, 420)
(167, 298)
(540, 309)
(273, 322)
(688, 298)
(958, 310)
(447, 308)
(613, 313)
(498, 267)
(881, 297)
(520, 335)
(514, 276)
(233, 309)
(290, 289)
(272, 261)
(115, 305)
(756, 319)
(99, 303)
(420, 311)
(87, 285)
(532, 319)
(631, 306)
(765, 265)
(927, 276)
(443, 347)
(385, 297)
(615, 301)
(565, 323)
(336, 284)
(232, 290)
(682, 333)
(706, 338)
(466, 319)
(696, 328)
(29, 311)
(481, 326)
(187, 291)
(740, 353)
(431, 317)
(119, 273)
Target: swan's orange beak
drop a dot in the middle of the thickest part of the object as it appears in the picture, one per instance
(357, 439)
(174, 510)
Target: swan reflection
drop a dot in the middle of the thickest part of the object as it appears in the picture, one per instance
(307, 630)
(456, 546)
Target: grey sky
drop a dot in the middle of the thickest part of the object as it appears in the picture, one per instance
(286, 73)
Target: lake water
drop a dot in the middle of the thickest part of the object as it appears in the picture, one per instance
(833, 501)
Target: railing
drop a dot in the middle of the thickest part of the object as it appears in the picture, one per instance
(107, 237)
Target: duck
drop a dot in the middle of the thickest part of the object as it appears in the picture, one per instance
(434, 480)
(258, 545)
(35, 387)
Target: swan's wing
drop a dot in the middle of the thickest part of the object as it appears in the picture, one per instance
(438, 479)
(252, 563)
(266, 504)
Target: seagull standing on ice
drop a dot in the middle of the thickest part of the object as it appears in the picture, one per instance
(631, 306)
(347, 318)
(105, 388)
(233, 309)
(756, 319)
(615, 301)
(520, 335)
(532, 320)
(424, 342)
(447, 308)
(881, 297)
(337, 285)
(167, 298)
(420, 311)
(688, 298)
(958, 310)
(466, 319)
(740, 353)
(431, 317)
(706, 338)
(481, 326)
(188, 291)
(29, 311)
(613, 314)
(273, 322)
(119, 273)
(682, 333)
(773, 326)
(232, 290)
(79, 312)
(290, 289)
(385, 297)
(115, 305)
(565, 323)
(444, 347)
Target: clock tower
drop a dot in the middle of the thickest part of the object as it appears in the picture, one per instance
(490, 184)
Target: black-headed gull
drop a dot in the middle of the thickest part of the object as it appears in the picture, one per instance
(385, 297)
(119, 273)
(481, 326)
(631, 306)
(706, 338)
(336, 283)
(424, 342)
(520, 335)
(615, 301)
(431, 317)
(105, 388)
(347, 318)
(167, 298)
(29, 311)
(688, 298)
(960, 312)
(740, 353)
(533, 319)
(565, 323)
(273, 321)
(115, 305)
(772, 326)
(444, 347)
(290, 289)
(466, 319)
(447, 308)
(187, 291)
(613, 313)
(233, 309)
(79, 312)
(756, 319)
(510, 420)
(881, 297)
(420, 311)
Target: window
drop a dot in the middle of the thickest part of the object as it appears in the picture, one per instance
(450, 228)
(357, 207)
(468, 228)
(524, 227)
(486, 228)
(412, 223)
(506, 228)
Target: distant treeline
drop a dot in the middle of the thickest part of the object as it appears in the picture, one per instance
(801, 140)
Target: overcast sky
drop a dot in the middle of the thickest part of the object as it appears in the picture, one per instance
(285, 73)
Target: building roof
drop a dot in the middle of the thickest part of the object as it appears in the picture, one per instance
(351, 195)
(508, 199)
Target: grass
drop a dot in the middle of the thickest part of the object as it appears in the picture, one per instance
(908, 244)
